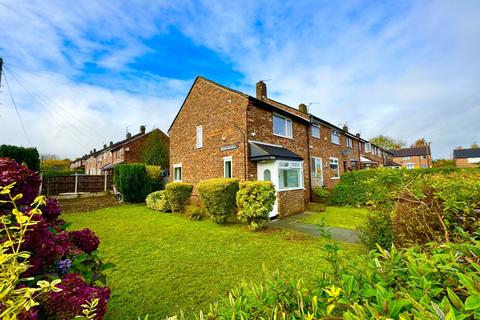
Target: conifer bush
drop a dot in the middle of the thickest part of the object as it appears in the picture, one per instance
(255, 201)
(218, 197)
(178, 194)
(132, 181)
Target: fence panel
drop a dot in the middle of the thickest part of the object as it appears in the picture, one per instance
(54, 185)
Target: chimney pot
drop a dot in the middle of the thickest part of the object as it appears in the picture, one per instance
(111, 143)
(303, 108)
(105, 146)
(129, 135)
(345, 128)
(358, 135)
(94, 150)
(261, 90)
(142, 129)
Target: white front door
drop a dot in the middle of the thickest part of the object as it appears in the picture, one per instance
(267, 171)
(317, 172)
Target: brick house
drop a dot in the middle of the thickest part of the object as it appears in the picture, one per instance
(79, 163)
(128, 150)
(467, 158)
(221, 132)
(411, 158)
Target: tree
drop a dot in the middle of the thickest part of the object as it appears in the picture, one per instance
(155, 151)
(475, 146)
(387, 143)
(26, 156)
(420, 143)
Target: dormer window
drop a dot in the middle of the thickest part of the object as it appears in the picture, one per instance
(282, 126)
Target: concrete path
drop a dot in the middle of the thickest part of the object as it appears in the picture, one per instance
(296, 223)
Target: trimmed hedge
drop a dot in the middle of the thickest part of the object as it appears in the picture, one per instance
(379, 187)
(28, 156)
(158, 201)
(255, 201)
(132, 181)
(218, 197)
(177, 194)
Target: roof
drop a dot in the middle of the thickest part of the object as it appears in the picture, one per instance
(260, 151)
(392, 164)
(407, 152)
(466, 153)
(366, 160)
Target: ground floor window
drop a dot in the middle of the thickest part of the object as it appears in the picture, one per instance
(334, 167)
(317, 175)
(177, 172)
(227, 167)
(410, 166)
(290, 175)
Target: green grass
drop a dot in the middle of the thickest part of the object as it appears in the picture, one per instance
(165, 262)
(340, 217)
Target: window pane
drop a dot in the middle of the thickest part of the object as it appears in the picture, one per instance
(199, 140)
(228, 169)
(315, 131)
(267, 176)
(289, 178)
(279, 125)
(289, 128)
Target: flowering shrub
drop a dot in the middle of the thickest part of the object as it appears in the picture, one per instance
(27, 183)
(67, 303)
(85, 240)
(51, 210)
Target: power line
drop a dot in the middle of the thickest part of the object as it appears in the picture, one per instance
(16, 110)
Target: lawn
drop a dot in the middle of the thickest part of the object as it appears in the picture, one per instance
(165, 262)
(340, 217)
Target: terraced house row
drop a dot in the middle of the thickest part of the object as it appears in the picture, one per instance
(221, 132)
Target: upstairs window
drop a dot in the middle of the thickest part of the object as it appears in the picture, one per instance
(405, 158)
(177, 172)
(368, 147)
(282, 126)
(349, 142)
(199, 137)
(424, 157)
(316, 131)
(335, 136)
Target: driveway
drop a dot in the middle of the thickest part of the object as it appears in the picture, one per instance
(295, 223)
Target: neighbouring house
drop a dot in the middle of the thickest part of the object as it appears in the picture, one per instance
(128, 150)
(467, 158)
(79, 163)
(221, 132)
(413, 158)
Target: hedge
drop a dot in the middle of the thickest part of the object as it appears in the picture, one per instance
(218, 197)
(158, 201)
(132, 181)
(255, 201)
(177, 194)
(28, 156)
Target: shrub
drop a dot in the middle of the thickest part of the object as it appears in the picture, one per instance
(377, 230)
(132, 181)
(194, 212)
(155, 176)
(177, 194)
(27, 156)
(322, 194)
(158, 201)
(218, 197)
(255, 201)
(85, 240)
(435, 207)
(27, 183)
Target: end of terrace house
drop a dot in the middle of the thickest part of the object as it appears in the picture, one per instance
(222, 132)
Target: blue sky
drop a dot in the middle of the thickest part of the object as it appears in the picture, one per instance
(83, 74)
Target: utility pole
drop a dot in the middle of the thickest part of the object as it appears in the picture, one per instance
(1, 66)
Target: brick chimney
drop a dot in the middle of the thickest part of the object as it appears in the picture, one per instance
(345, 128)
(142, 129)
(111, 143)
(358, 135)
(129, 135)
(261, 90)
(303, 108)
(105, 146)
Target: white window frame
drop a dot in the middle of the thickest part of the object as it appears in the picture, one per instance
(406, 158)
(176, 166)
(368, 147)
(317, 126)
(289, 165)
(317, 165)
(225, 160)
(335, 133)
(335, 161)
(288, 126)
(199, 137)
(410, 165)
(349, 142)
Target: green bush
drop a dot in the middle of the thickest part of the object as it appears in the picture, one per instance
(27, 156)
(436, 207)
(132, 181)
(158, 201)
(255, 201)
(218, 197)
(377, 230)
(177, 194)
(322, 194)
(194, 212)
(155, 175)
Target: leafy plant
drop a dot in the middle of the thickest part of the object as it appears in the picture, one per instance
(155, 151)
(194, 212)
(132, 181)
(218, 197)
(158, 201)
(377, 230)
(255, 201)
(322, 194)
(22, 155)
(177, 194)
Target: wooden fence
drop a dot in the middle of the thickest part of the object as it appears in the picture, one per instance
(55, 185)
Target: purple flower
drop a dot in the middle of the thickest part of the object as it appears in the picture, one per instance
(51, 210)
(63, 266)
(27, 182)
(85, 240)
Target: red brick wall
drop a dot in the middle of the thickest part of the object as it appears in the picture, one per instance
(290, 202)
(463, 163)
(222, 114)
(417, 160)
